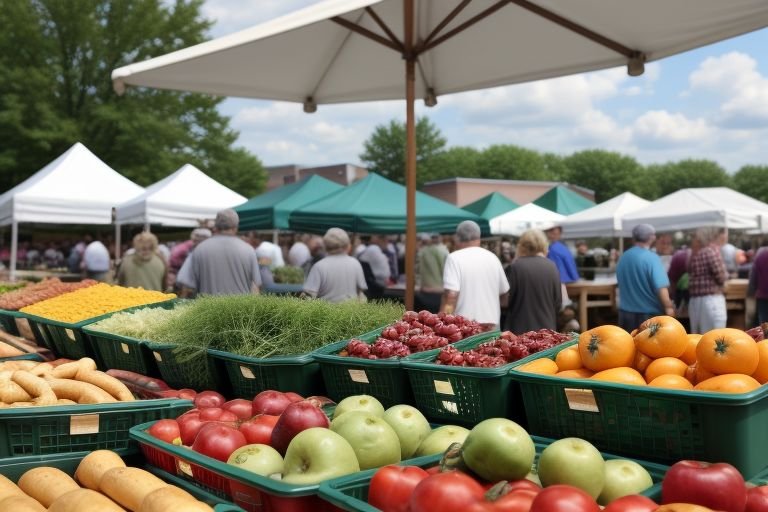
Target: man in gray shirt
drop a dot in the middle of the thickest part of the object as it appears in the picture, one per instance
(222, 265)
(338, 276)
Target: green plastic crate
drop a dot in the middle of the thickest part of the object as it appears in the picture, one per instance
(249, 376)
(72, 428)
(219, 504)
(32, 356)
(465, 395)
(351, 492)
(18, 324)
(178, 373)
(8, 321)
(344, 376)
(252, 492)
(662, 425)
(124, 352)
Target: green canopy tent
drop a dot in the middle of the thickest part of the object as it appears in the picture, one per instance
(377, 205)
(270, 210)
(490, 206)
(562, 200)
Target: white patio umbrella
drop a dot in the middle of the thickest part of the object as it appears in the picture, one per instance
(360, 50)
(528, 216)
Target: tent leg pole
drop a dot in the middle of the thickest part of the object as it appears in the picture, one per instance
(118, 242)
(14, 248)
(410, 157)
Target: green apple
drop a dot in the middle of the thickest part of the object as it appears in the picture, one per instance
(257, 458)
(410, 426)
(375, 443)
(573, 461)
(318, 454)
(623, 477)
(499, 449)
(440, 439)
(365, 403)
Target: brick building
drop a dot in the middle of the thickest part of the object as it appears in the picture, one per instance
(462, 191)
(344, 174)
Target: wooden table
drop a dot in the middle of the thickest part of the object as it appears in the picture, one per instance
(592, 294)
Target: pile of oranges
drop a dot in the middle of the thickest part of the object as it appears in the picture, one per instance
(660, 353)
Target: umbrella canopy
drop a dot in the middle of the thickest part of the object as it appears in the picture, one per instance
(377, 205)
(528, 216)
(180, 199)
(270, 210)
(563, 200)
(604, 219)
(490, 206)
(692, 208)
(357, 50)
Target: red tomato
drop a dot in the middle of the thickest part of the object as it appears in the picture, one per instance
(757, 499)
(716, 486)
(187, 394)
(391, 487)
(218, 441)
(217, 414)
(519, 500)
(563, 498)
(242, 408)
(447, 492)
(632, 503)
(206, 399)
(165, 430)
(433, 470)
(189, 425)
(258, 430)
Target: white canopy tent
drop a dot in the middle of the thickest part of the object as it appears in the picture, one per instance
(180, 200)
(528, 216)
(604, 219)
(692, 208)
(359, 50)
(76, 188)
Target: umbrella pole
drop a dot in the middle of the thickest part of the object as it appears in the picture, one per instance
(410, 157)
(14, 248)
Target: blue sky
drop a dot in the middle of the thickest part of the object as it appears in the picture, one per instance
(710, 103)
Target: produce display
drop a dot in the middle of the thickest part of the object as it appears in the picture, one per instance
(93, 301)
(29, 383)
(32, 293)
(506, 348)
(6, 287)
(414, 332)
(660, 353)
(254, 325)
(101, 482)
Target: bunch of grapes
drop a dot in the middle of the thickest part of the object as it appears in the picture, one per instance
(414, 332)
(505, 349)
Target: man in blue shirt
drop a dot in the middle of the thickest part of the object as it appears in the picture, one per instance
(563, 259)
(643, 282)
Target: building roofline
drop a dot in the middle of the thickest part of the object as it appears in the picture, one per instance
(508, 182)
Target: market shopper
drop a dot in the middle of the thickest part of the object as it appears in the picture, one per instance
(430, 264)
(473, 280)
(338, 276)
(707, 276)
(534, 286)
(222, 265)
(181, 251)
(96, 262)
(562, 257)
(643, 281)
(144, 268)
(376, 255)
(758, 283)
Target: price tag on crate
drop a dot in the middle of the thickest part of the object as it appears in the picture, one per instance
(126, 349)
(358, 376)
(247, 372)
(581, 400)
(158, 357)
(83, 424)
(70, 334)
(183, 468)
(450, 407)
(444, 387)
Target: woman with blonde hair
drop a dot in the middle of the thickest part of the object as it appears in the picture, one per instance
(706, 277)
(144, 268)
(534, 286)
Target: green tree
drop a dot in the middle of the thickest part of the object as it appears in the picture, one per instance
(384, 151)
(607, 173)
(674, 176)
(508, 162)
(753, 181)
(55, 89)
(456, 161)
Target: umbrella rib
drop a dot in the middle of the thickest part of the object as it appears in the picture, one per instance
(575, 27)
(484, 14)
(384, 26)
(440, 26)
(367, 33)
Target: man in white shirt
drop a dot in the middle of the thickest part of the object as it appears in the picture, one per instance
(299, 253)
(474, 282)
(96, 262)
(375, 256)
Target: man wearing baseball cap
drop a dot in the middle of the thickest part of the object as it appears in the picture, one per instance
(643, 282)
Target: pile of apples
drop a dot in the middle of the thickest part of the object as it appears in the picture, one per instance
(285, 436)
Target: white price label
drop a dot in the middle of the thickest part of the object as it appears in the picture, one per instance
(126, 349)
(83, 424)
(247, 372)
(70, 334)
(158, 357)
(358, 376)
(183, 468)
(581, 400)
(450, 407)
(444, 387)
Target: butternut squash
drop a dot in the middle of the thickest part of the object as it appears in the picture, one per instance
(172, 498)
(94, 465)
(8, 488)
(21, 503)
(84, 500)
(129, 486)
(46, 484)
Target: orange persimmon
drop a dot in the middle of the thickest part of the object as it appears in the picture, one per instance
(605, 347)
(723, 351)
(661, 336)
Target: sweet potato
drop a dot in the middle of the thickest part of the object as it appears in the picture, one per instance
(46, 484)
(38, 388)
(129, 486)
(109, 384)
(94, 465)
(84, 500)
(80, 392)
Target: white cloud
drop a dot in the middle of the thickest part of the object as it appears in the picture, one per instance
(230, 19)
(661, 129)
